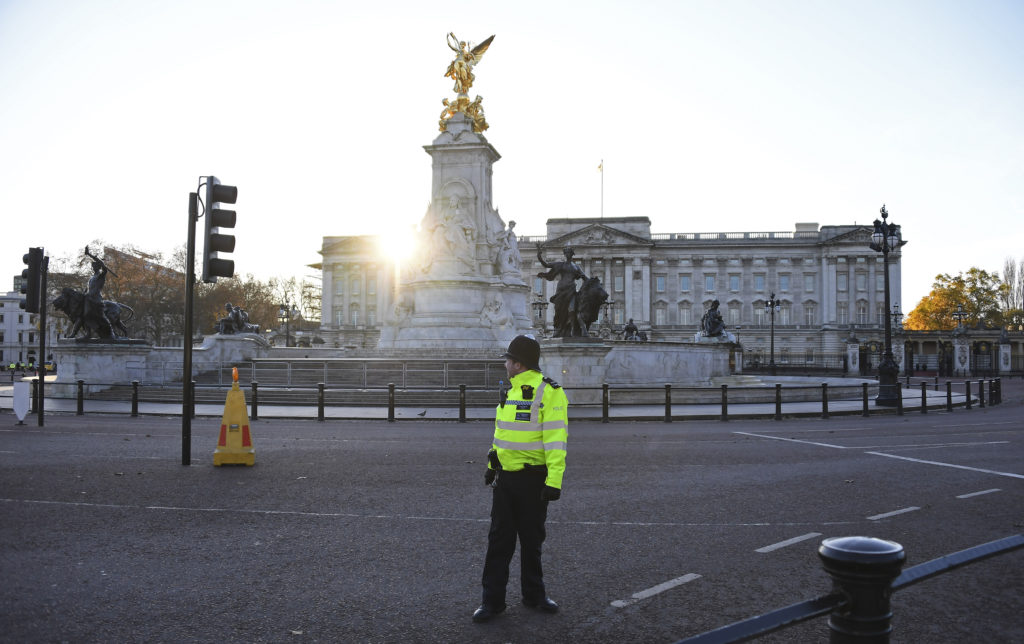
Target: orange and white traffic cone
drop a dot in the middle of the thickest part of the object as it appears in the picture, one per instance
(234, 447)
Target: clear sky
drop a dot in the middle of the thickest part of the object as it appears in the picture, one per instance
(710, 115)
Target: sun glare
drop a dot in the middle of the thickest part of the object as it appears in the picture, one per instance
(398, 246)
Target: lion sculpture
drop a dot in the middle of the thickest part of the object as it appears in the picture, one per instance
(72, 304)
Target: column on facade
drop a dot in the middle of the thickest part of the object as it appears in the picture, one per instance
(327, 297)
(362, 297)
(627, 283)
(645, 281)
(828, 290)
(346, 273)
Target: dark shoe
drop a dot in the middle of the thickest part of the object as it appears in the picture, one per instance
(485, 612)
(547, 605)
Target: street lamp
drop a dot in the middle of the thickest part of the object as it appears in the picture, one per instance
(885, 239)
(284, 315)
(772, 306)
(960, 315)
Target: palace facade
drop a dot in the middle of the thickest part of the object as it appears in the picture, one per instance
(829, 283)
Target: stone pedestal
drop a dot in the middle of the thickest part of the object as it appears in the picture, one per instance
(961, 356)
(99, 364)
(1004, 357)
(583, 365)
(456, 295)
(853, 356)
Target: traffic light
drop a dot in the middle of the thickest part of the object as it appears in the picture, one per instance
(216, 243)
(30, 278)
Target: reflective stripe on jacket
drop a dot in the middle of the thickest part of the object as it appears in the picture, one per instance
(533, 431)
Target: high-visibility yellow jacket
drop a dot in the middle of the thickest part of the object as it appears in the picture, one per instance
(532, 427)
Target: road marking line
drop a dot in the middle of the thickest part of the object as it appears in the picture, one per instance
(967, 496)
(792, 440)
(788, 542)
(406, 517)
(893, 513)
(1008, 422)
(933, 445)
(959, 467)
(654, 590)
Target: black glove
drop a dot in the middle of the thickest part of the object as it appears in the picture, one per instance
(550, 493)
(489, 476)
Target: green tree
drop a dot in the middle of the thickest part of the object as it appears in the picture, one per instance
(978, 291)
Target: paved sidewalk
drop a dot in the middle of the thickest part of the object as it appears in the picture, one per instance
(936, 401)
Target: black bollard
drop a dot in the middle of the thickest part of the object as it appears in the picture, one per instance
(864, 395)
(35, 396)
(81, 398)
(725, 403)
(135, 398)
(899, 401)
(924, 397)
(604, 402)
(320, 402)
(462, 403)
(967, 390)
(949, 395)
(981, 393)
(862, 569)
(668, 403)
(824, 400)
(255, 400)
(778, 401)
(391, 402)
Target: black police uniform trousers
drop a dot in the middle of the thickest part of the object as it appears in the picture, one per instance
(516, 511)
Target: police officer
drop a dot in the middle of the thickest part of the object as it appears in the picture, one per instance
(525, 467)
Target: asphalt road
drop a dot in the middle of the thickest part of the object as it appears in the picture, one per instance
(351, 531)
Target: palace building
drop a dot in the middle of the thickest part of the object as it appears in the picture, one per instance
(829, 283)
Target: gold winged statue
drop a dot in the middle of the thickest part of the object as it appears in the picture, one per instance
(460, 70)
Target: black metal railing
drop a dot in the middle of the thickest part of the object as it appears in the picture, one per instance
(865, 572)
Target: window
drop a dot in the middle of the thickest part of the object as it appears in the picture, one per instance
(760, 314)
(619, 316)
(734, 282)
(538, 285)
(759, 282)
(659, 284)
(879, 281)
(880, 312)
(808, 355)
(734, 314)
(659, 315)
(709, 283)
(809, 314)
(808, 283)
(784, 355)
(783, 283)
(843, 313)
(355, 316)
(339, 318)
(684, 283)
(371, 284)
(862, 313)
(371, 317)
(783, 316)
(862, 281)
(685, 314)
(355, 286)
(620, 283)
(843, 281)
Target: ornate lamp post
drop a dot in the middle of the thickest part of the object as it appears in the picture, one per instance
(284, 314)
(960, 315)
(885, 239)
(772, 306)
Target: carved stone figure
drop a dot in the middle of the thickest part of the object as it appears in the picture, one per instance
(94, 308)
(235, 321)
(630, 331)
(564, 299)
(509, 259)
(72, 303)
(712, 324)
(590, 299)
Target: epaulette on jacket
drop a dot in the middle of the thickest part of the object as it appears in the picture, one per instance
(551, 382)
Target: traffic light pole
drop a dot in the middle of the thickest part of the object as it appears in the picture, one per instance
(41, 360)
(186, 370)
